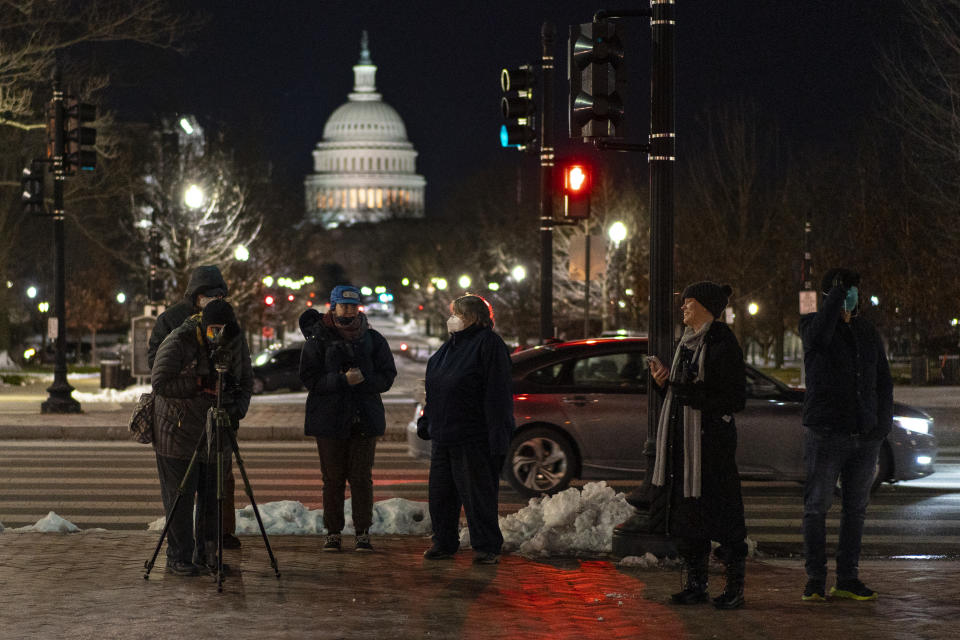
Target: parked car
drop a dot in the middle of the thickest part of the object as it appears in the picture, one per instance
(277, 369)
(581, 407)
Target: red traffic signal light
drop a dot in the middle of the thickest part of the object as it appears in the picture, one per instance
(269, 300)
(577, 183)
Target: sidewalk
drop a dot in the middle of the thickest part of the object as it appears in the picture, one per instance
(90, 585)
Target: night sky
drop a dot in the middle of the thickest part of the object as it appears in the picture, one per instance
(271, 73)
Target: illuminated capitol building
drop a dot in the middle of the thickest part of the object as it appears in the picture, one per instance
(364, 168)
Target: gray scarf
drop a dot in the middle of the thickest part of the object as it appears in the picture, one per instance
(692, 340)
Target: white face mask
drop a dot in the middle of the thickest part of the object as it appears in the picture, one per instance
(454, 324)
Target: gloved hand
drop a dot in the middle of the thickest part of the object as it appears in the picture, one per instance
(423, 429)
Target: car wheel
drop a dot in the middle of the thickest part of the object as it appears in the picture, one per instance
(258, 386)
(540, 461)
(884, 468)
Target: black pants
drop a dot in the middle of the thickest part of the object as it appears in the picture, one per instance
(202, 486)
(343, 461)
(466, 475)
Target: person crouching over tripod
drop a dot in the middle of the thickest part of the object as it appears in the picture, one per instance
(345, 366)
(184, 382)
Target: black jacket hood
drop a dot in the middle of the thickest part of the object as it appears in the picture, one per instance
(204, 278)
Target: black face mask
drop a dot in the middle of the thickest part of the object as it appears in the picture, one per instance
(344, 320)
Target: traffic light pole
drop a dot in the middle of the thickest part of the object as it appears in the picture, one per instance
(547, 36)
(646, 531)
(59, 399)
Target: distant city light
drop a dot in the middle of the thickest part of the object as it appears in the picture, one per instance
(874, 300)
(617, 232)
(753, 308)
(121, 297)
(193, 197)
(405, 282)
(441, 283)
(31, 292)
(464, 281)
(267, 281)
(493, 286)
(186, 126)
(241, 253)
(955, 322)
(518, 273)
(379, 289)
(43, 307)
(366, 291)
(628, 292)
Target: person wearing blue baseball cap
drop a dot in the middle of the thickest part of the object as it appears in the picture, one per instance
(345, 365)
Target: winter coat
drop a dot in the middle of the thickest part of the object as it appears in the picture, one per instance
(849, 388)
(202, 279)
(470, 391)
(332, 404)
(180, 409)
(718, 513)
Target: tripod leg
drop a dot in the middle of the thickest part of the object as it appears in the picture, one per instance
(253, 503)
(219, 506)
(181, 491)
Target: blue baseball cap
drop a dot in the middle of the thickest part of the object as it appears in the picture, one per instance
(345, 294)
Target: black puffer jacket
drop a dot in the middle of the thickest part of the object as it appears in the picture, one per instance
(181, 408)
(202, 279)
(849, 388)
(331, 402)
(470, 391)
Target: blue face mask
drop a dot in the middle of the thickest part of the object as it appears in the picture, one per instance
(850, 302)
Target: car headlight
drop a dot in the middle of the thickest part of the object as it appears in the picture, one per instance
(917, 425)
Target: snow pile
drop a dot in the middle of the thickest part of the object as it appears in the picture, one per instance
(572, 520)
(7, 363)
(50, 523)
(130, 394)
(646, 561)
(289, 517)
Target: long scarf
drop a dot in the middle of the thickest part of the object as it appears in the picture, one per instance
(693, 341)
(352, 331)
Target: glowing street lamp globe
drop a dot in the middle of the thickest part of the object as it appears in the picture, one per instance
(518, 273)
(193, 197)
(464, 281)
(241, 253)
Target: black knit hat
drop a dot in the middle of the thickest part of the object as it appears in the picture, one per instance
(712, 296)
(220, 312)
(838, 276)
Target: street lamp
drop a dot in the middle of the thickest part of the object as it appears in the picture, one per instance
(464, 281)
(440, 283)
(121, 297)
(241, 253)
(617, 233)
(31, 292)
(518, 273)
(753, 308)
(193, 197)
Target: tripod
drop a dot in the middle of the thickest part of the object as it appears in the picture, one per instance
(217, 424)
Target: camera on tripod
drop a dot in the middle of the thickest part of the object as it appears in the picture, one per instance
(221, 354)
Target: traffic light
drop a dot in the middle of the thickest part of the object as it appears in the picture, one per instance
(597, 80)
(269, 300)
(31, 181)
(77, 137)
(577, 183)
(518, 109)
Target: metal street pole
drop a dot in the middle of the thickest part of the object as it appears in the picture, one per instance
(646, 531)
(547, 35)
(59, 399)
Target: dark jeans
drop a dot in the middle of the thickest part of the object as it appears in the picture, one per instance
(202, 485)
(825, 459)
(343, 461)
(468, 476)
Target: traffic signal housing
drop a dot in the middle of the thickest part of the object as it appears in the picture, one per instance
(597, 78)
(576, 184)
(517, 107)
(79, 138)
(31, 182)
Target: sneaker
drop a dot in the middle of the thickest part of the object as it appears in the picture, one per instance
(436, 553)
(814, 591)
(483, 557)
(853, 590)
(332, 543)
(182, 568)
(363, 542)
(230, 541)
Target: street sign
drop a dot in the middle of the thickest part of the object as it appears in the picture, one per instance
(808, 302)
(578, 257)
(52, 328)
(140, 330)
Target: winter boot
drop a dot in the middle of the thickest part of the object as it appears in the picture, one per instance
(732, 596)
(695, 586)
